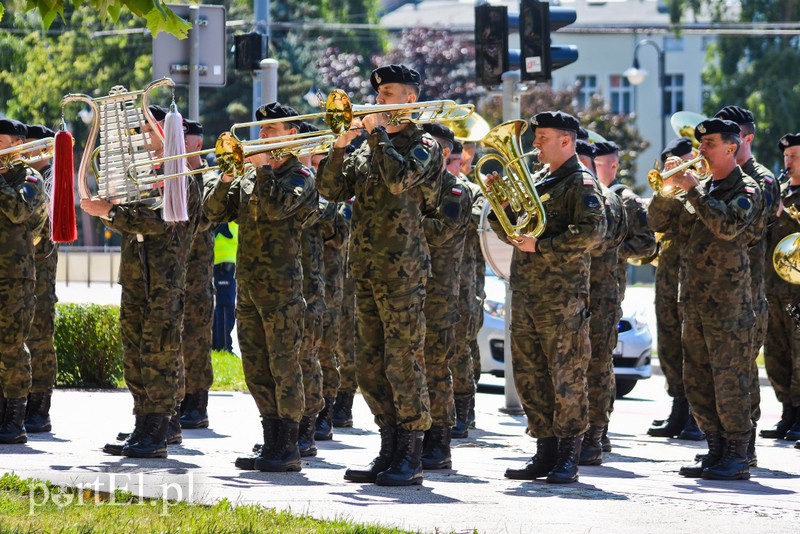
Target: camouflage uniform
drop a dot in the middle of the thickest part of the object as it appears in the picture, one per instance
(549, 310)
(445, 231)
(345, 347)
(640, 241)
(22, 208)
(716, 298)
(311, 247)
(389, 262)
(270, 207)
(782, 346)
(603, 298)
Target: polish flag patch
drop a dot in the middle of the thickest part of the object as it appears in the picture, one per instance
(456, 191)
(587, 180)
(749, 190)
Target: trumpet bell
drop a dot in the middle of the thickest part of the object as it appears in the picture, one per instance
(684, 122)
(230, 155)
(338, 112)
(786, 258)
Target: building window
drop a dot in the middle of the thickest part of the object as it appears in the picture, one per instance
(673, 44)
(588, 88)
(673, 94)
(620, 94)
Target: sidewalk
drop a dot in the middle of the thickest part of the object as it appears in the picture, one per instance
(637, 489)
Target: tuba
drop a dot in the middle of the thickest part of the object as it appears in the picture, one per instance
(786, 257)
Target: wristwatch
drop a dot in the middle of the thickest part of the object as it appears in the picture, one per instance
(111, 213)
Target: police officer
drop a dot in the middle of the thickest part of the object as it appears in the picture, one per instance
(390, 262)
(226, 240)
(22, 209)
(715, 293)
(44, 365)
(550, 280)
(270, 203)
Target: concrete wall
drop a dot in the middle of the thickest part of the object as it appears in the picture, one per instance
(78, 265)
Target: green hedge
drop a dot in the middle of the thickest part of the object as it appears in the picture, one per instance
(88, 346)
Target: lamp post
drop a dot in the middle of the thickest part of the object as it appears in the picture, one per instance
(636, 76)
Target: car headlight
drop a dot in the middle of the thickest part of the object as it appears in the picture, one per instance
(495, 309)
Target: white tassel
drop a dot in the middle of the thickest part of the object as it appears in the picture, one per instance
(175, 209)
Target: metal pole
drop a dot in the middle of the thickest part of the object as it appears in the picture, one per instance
(261, 12)
(662, 83)
(269, 80)
(194, 63)
(511, 111)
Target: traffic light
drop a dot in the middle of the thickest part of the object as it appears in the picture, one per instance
(538, 57)
(249, 50)
(491, 43)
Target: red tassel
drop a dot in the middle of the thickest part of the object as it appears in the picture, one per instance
(64, 224)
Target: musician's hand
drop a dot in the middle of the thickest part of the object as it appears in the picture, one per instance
(489, 179)
(96, 207)
(259, 160)
(374, 120)
(225, 178)
(526, 243)
(346, 138)
(685, 181)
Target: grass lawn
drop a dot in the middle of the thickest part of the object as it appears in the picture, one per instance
(228, 373)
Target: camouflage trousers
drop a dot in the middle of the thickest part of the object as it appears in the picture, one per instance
(550, 353)
(439, 350)
(668, 328)
(345, 345)
(782, 351)
(270, 331)
(17, 301)
(461, 367)
(761, 310)
(310, 364)
(44, 364)
(716, 369)
(600, 372)
(198, 320)
(390, 364)
(327, 353)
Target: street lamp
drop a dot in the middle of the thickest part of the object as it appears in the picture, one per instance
(636, 76)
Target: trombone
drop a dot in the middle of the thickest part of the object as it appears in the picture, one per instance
(40, 149)
(656, 179)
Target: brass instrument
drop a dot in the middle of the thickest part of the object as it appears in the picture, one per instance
(39, 150)
(516, 186)
(652, 259)
(786, 257)
(470, 129)
(683, 124)
(656, 179)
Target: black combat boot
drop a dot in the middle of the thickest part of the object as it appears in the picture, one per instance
(381, 462)
(436, 449)
(540, 464)
(406, 467)
(343, 410)
(592, 446)
(733, 465)
(752, 458)
(605, 441)
(793, 434)
(797, 444)
(324, 426)
(691, 432)
(270, 428)
(566, 468)
(153, 440)
(461, 430)
(12, 426)
(675, 422)
(174, 434)
(116, 448)
(471, 417)
(714, 454)
(37, 413)
(284, 456)
(194, 410)
(305, 439)
(782, 427)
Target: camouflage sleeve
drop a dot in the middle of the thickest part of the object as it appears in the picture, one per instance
(336, 176)
(727, 219)
(398, 172)
(21, 203)
(588, 225)
(285, 197)
(498, 229)
(640, 240)
(663, 213)
(137, 219)
(451, 216)
(221, 202)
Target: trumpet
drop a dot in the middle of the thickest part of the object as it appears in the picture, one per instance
(39, 150)
(656, 179)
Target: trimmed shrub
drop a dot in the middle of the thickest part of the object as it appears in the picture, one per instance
(88, 345)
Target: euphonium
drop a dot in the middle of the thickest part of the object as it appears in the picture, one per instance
(516, 186)
(656, 179)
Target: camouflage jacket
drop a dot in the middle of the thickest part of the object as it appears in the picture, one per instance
(385, 174)
(639, 241)
(473, 265)
(313, 261)
(22, 209)
(44, 248)
(270, 207)
(605, 258)
(758, 247)
(576, 224)
(717, 228)
(784, 226)
(335, 227)
(664, 216)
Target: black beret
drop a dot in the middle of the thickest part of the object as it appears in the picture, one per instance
(191, 127)
(458, 148)
(159, 113)
(585, 148)
(439, 131)
(394, 74)
(307, 127)
(789, 140)
(555, 119)
(12, 127)
(583, 133)
(604, 148)
(38, 131)
(714, 126)
(274, 110)
(677, 147)
(736, 114)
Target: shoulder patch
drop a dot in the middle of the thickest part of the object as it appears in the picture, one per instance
(587, 180)
(297, 181)
(768, 179)
(451, 209)
(591, 201)
(31, 178)
(426, 141)
(28, 191)
(638, 200)
(421, 154)
(456, 191)
(749, 190)
(743, 203)
(305, 172)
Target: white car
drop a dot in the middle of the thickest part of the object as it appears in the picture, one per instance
(631, 355)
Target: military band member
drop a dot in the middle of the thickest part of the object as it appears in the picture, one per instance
(345, 345)
(715, 293)
(390, 262)
(550, 326)
(22, 210)
(270, 202)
